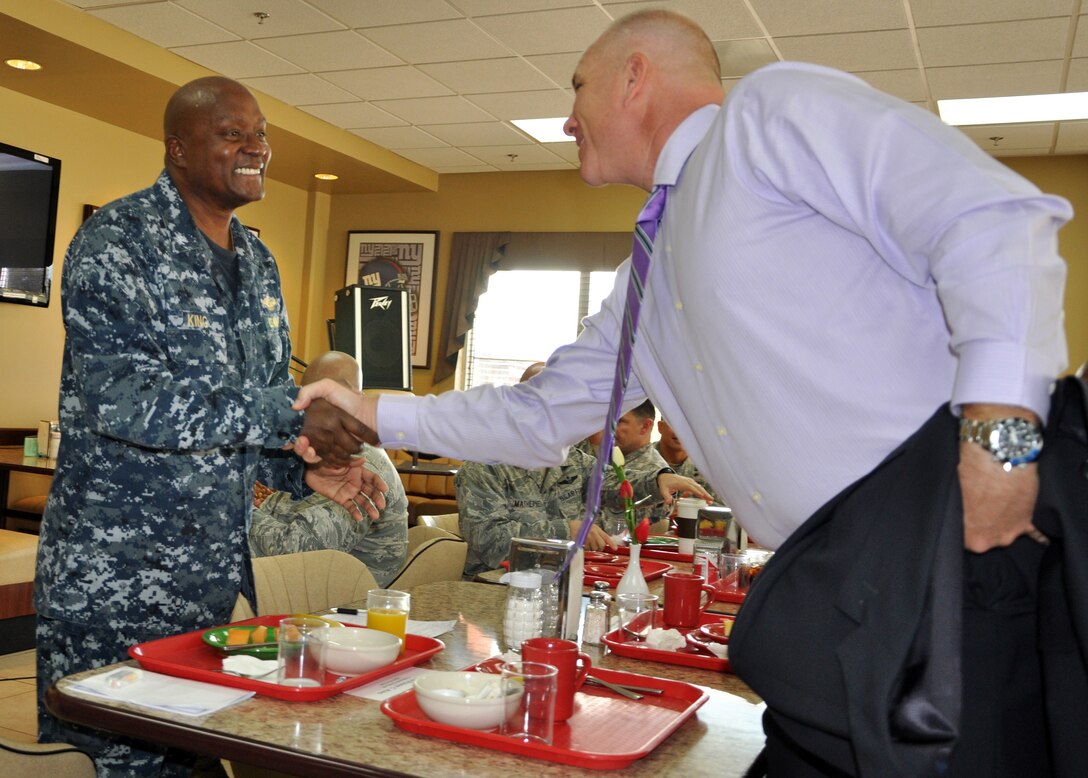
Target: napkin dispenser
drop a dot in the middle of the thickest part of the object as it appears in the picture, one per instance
(719, 529)
(562, 594)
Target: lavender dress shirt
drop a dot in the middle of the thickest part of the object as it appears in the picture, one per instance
(833, 265)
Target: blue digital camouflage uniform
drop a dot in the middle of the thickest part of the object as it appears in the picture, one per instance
(499, 502)
(282, 525)
(174, 400)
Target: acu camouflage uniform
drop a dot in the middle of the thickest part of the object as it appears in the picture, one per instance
(285, 526)
(500, 502)
(175, 398)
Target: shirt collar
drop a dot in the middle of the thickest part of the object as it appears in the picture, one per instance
(681, 143)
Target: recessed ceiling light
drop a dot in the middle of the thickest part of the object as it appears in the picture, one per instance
(1020, 109)
(544, 130)
(23, 64)
(326, 176)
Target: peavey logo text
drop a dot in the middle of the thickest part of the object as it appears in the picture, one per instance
(383, 302)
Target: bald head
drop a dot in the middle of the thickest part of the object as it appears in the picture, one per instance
(194, 101)
(335, 365)
(675, 42)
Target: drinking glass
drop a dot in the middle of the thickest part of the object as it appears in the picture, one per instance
(387, 610)
(637, 612)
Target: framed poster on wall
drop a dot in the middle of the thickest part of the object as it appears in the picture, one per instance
(399, 259)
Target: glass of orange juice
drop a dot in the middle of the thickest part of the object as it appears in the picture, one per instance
(387, 610)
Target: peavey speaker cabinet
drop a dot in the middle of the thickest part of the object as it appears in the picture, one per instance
(372, 325)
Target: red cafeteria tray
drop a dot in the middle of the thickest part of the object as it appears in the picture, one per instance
(611, 573)
(667, 552)
(606, 732)
(188, 656)
(725, 594)
(689, 655)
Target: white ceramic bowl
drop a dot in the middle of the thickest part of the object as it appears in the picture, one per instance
(354, 650)
(462, 699)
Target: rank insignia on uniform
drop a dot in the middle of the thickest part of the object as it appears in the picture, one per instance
(269, 303)
(274, 322)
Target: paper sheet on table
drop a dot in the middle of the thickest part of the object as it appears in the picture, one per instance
(389, 685)
(428, 629)
(161, 692)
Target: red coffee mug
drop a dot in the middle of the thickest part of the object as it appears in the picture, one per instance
(686, 596)
(572, 664)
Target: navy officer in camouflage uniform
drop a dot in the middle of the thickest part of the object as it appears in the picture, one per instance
(283, 525)
(500, 502)
(175, 398)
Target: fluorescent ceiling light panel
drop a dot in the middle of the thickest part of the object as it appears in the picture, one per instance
(544, 130)
(1021, 109)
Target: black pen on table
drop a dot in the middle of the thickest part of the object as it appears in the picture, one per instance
(346, 611)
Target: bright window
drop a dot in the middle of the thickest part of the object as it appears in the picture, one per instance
(525, 315)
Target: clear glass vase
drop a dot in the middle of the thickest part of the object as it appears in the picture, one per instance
(633, 580)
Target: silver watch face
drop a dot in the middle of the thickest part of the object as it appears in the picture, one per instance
(1014, 441)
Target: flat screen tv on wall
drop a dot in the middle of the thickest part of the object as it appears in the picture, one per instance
(29, 185)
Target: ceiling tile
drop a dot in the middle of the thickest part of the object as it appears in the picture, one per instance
(237, 59)
(285, 17)
(548, 32)
(99, 3)
(853, 51)
(784, 17)
(524, 155)
(387, 83)
(340, 50)
(376, 13)
(558, 67)
(354, 115)
(491, 7)
(477, 134)
(1080, 43)
(1023, 78)
(435, 110)
(976, 44)
(481, 168)
(447, 41)
(720, 19)
(438, 158)
(1011, 136)
(568, 151)
(164, 24)
(1078, 76)
(930, 13)
(739, 58)
(300, 90)
(525, 105)
(1072, 138)
(489, 75)
(904, 84)
(395, 138)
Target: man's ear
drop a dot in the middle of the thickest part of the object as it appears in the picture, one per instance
(175, 151)
(635, 73)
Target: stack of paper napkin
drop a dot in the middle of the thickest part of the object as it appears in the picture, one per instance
(161, 692)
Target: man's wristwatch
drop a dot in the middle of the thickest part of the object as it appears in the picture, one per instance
(1013, 442)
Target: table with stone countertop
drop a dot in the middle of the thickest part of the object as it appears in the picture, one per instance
(348, 735)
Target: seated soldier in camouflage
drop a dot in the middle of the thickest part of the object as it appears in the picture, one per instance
(281, 525)
(500, 502)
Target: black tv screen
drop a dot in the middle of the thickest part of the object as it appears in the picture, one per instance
(29, 185)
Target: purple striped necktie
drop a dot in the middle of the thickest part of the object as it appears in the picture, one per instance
(645, 230)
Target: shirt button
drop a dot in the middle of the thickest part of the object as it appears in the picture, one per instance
(400, 436)
(757, 497)
(722, 432)
(698, 367)
(678, 305)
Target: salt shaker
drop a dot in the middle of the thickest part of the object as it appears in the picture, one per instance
(524, 615)
(595, 624)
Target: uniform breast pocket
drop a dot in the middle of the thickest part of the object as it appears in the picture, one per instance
(196, 338)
